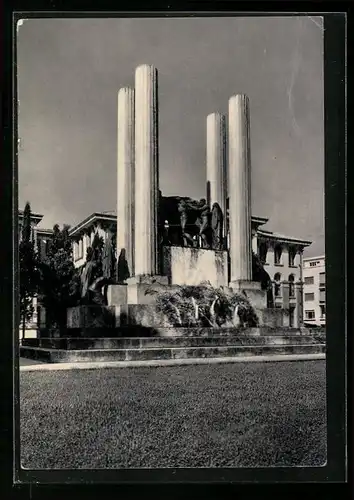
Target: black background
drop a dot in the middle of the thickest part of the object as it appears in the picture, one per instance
(222, 482)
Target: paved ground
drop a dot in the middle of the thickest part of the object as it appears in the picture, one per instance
(222, 415)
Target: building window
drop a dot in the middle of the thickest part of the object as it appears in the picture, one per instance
(322, 279)
(309, 280)
(309, 314)
(309, 297)
(322, 296)
(292, 255)
(277, 278)
(313, 264)
(277, 254)
(323, 311)
(81, 249)
(78, 250)
(291, 285)
(262, 252)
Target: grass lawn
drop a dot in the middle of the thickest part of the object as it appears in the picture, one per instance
(223, 415)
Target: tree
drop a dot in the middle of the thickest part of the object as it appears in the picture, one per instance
(28, 270)
(60, 280)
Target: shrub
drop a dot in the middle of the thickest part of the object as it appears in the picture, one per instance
(203, 305)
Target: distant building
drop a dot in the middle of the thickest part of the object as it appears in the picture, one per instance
(282, 258)
(40, 238)
(314, 278)
(83, 233)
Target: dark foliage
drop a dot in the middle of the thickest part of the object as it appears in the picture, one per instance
(60, 281)
(202, 305)
(28, 270)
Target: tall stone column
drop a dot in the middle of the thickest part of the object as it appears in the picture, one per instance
(216, 162)
(146, 171)
(239, 187)
(125, 180)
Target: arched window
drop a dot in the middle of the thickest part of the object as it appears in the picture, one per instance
(277, 278)
(277, 254)
(262, 251)
(291, 285)
(292, 255)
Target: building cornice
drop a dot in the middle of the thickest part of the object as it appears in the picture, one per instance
(310, 259)
(283, 238)
(34, 217)
(91, 220)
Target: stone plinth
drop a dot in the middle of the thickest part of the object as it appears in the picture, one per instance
(91, 317)
(192, 266)
(146, 171)
(272, 317)
(141, 315)
(117, 295)
(253, 291)
(216, 161)
(239, 188)
(144, 291)
(125, 183)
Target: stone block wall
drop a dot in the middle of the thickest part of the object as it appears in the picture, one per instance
(191, 266)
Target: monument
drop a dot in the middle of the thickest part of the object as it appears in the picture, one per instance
(173, 260)
(181, 280)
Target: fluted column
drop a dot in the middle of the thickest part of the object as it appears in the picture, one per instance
(125, 179)
(239, 188)
(216, 161)
(146, 171)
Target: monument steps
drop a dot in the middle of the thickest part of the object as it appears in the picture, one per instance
(177, 348)
(177, 341)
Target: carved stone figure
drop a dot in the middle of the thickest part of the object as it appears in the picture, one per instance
(204, 227)
(108, 259)
(184, 209)
(91, 280)
(195, 221)
(123, 271)
(217, 220)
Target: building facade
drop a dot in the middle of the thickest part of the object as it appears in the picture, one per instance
(282, 258)
(82, 234)
(314, 278)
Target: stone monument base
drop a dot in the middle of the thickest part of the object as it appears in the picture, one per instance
(252, 290)
(191, 344)
(134, 304)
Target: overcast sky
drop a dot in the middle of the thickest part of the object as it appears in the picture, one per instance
(69, 73)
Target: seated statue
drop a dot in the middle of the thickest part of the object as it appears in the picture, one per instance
(91, 280)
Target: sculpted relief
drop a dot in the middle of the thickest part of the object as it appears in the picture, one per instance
(191, 223)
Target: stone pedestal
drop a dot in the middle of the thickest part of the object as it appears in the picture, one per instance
(117, 295)
(146, 172)
(141, 288)
(125, 183)
(192, 266)
(252, 290)
(239, 188)
(216, 162)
